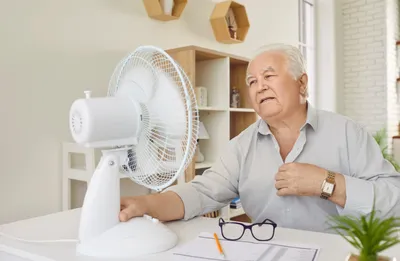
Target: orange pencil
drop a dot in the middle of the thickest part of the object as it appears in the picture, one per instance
(219, 245)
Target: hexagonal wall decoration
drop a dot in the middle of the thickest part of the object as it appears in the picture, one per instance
(229, 22)
(155, 10)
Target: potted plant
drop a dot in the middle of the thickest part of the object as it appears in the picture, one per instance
(381, 138)
(369, 234)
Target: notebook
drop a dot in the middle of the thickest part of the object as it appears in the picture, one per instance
(204, 248)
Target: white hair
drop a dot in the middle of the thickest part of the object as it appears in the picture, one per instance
(296, 62)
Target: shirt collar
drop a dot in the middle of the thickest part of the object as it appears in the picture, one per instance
(311, 120)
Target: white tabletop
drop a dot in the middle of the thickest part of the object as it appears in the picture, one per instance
(64, 225)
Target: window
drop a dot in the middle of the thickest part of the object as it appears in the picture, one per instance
(307, 43)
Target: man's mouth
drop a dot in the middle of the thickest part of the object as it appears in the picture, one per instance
(267, 99)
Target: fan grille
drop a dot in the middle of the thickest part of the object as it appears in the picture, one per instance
(76, 122)
(168, 136)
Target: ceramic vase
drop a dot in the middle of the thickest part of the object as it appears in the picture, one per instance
(167, 6)
(232, 32)
(398, 129)
(201, 96)
(353, 257)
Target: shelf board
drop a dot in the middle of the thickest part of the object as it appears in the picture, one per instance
(204, 54)
(123, 176)
(204, 165)
(211, 109)
(241, 110)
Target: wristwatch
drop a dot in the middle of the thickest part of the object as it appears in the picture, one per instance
(328, 186)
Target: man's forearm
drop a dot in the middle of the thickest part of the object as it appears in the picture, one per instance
(166, 206)
(357, 196)
(339, 194)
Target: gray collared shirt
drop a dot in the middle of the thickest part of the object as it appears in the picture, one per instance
(247, 168)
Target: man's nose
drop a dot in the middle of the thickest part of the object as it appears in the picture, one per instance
(261, 84)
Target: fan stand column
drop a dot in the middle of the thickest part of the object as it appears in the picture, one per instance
(70, 172)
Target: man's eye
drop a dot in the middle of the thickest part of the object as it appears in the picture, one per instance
(251, 82)
(267, 76)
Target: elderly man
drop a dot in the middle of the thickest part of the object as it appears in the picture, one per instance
(296, 165)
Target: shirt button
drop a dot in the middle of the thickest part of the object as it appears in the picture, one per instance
(288, 210)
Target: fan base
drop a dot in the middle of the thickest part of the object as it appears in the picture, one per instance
(137, 237)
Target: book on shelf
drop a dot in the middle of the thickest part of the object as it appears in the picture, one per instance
(235, 203)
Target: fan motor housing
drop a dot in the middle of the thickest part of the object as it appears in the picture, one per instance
(103, 122)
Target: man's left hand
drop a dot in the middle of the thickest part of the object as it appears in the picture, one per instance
(300, 179)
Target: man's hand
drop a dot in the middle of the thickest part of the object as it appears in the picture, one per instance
(299, 179)
(163, 206)
(132, 207)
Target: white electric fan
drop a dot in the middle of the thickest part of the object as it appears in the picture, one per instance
(147, 127)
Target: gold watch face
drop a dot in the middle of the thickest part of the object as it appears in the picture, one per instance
(328, 188)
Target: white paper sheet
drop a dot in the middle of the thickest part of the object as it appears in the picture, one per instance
(204, 248)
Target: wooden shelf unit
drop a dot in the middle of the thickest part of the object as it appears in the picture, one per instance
(219, 73)
(155, 11)
(220, 24)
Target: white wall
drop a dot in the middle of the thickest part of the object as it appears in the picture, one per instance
(53, 50)
(329, 50)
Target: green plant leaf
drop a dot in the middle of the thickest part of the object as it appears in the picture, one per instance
(369, 233)
(354, 242)
(386, 245)
(381, 138)
(348, 228)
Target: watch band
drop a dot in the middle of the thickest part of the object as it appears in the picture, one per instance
(324, 195)
(329, 179)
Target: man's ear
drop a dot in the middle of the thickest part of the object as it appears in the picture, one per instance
(303, 80)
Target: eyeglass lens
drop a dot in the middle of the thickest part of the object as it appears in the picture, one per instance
(232, 231)
(263, 232)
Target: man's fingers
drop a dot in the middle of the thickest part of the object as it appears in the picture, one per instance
(287, 166)
(125, 201)
(281, 184)
(284, 167)
(284, 192)
(128, 212)
(282, 187)
(281, 175)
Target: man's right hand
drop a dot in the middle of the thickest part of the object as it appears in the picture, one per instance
(166, 206)
(132, 207)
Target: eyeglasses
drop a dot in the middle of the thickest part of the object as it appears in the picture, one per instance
(232, 231)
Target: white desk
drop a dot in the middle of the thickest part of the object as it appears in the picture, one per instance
(64, 225)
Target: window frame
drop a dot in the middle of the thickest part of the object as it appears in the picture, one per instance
(308, 49)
